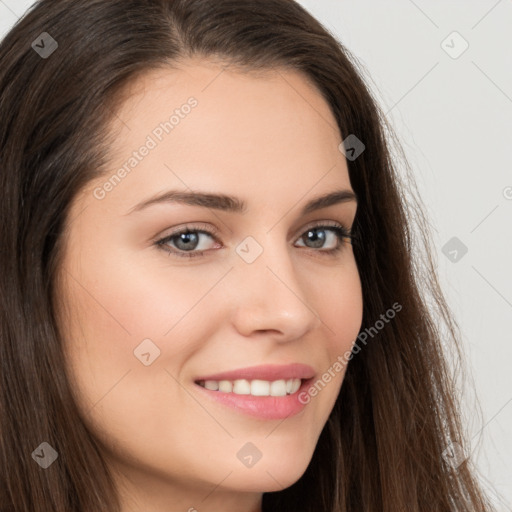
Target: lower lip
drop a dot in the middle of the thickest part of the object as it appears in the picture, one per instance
(264, 407)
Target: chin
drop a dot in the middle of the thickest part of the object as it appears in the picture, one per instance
(269, 477)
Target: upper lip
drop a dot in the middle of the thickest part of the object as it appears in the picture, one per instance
(265, 372)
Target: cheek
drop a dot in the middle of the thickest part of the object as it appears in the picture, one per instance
(113, 308)
(340, 306)
(127, 299)
(123, 309)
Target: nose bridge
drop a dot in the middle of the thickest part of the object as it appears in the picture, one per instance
(269, 294)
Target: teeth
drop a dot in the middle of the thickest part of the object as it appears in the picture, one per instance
(255, 387)
(278, 388)
(226, 386)
(211, 384)
(260, 388)
(242, 387)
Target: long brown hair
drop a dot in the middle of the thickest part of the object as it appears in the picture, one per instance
(382, 447)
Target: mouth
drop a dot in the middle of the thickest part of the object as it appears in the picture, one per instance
(265, 400)
(265, 391)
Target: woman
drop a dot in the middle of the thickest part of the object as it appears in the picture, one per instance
(209, 295)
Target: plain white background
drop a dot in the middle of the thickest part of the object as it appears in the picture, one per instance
(449, 99)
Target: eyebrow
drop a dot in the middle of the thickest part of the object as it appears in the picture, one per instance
(233, 204)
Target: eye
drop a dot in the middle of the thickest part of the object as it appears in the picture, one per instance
(191, 241)
(186, 240)
(326, 234)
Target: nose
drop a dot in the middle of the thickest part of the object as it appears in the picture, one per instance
(271, 298)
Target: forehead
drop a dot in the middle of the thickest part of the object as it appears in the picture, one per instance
(209, 126)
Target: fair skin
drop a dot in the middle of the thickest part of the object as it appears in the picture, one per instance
(272, 141)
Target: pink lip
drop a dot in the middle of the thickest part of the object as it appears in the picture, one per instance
(265, 372)
(264, 407)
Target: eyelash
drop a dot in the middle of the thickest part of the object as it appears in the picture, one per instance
(341, 232)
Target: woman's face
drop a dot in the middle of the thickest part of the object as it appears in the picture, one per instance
(245, 288)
